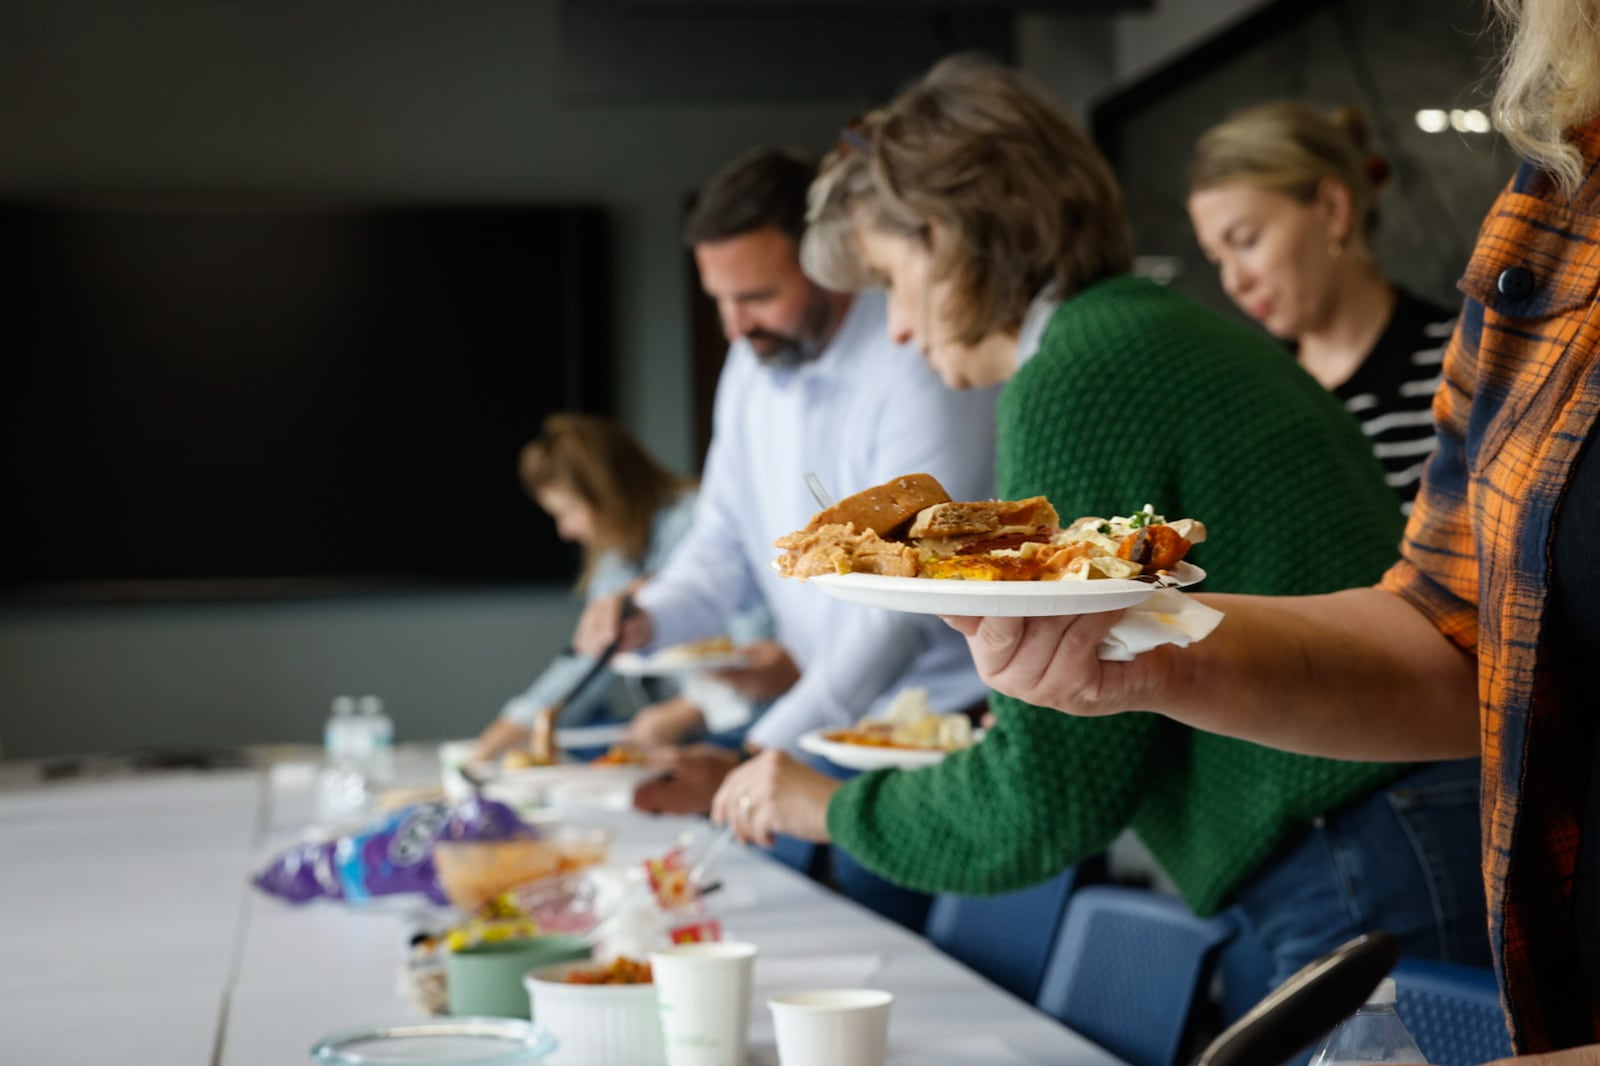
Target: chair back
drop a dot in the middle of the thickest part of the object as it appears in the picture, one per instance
(1453, 1011)
(1127, 969)
(1006, 938)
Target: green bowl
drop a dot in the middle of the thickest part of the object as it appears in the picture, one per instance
(487, 979)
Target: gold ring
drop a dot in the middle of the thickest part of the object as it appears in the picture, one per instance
(745, 803)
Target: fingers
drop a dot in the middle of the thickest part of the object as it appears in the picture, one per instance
(635, 632)
(966, 625)
(744, 802)
(1047, 661)
(663, 757)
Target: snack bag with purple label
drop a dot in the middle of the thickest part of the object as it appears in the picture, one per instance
(391, 856)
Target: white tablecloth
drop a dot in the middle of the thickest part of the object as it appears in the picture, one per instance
(129, 934)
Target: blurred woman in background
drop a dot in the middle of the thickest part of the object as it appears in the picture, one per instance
(626, 511)
(1284, 202)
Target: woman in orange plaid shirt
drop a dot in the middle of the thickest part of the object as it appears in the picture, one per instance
(1479, 639)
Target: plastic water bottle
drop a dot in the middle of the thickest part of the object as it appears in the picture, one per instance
(376, 732)
(1374, 1033)
(342, 795)
(336, 731)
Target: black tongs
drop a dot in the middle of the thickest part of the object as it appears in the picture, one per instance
(1310, 1003)
(543, 740)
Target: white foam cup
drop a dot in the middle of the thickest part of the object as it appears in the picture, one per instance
(703, 993)
(832, 1027)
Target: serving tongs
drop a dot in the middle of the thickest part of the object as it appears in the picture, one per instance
(542, 742)
(542, 733)
(823, 497)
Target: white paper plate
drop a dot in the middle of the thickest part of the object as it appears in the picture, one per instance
(445, 1042)
(868, 756)
(996, 599)
(532, 784)
(670, 661)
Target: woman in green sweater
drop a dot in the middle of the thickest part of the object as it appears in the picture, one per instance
(999, 231)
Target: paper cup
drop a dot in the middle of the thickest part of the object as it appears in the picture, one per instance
(452, 754)
(839, 1027)
(703, 991)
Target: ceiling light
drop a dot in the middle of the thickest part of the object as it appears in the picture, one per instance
(1432, 120)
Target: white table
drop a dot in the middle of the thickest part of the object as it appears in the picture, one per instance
(129, 933)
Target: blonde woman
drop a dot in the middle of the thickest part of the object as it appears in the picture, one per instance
(1284, 202)
(1483, 636)
(999, 233)
(625, 510)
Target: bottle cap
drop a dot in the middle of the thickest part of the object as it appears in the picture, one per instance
(1383, 995)
(343, 705)
(370, 705)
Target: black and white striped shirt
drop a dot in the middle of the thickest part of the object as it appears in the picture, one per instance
(1391, 392)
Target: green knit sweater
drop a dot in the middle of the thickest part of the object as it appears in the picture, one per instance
(1138, 395)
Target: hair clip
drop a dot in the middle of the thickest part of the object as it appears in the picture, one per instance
(852, 137)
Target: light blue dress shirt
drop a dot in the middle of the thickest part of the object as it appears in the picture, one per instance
(864, 411)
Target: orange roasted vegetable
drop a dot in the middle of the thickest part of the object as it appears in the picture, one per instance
(1158, 547)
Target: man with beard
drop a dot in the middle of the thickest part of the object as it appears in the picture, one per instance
(810, 384)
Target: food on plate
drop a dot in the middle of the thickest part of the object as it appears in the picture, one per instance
(860, 533)
(884, 508)
(524, 759)
(840, 549)
(621, 971)
(709, 648)
(982, 526)
(909, 723)
(980, 540)
(620, 755)
(528, 759)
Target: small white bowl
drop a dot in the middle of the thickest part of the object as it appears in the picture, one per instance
(597, 1025)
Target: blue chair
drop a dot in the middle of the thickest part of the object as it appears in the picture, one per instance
(1128, 968)
(1453, 1011)
(1006, 938)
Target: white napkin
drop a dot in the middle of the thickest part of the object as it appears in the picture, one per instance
(1168, 617)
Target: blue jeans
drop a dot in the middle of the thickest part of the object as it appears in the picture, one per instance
(1405, 859)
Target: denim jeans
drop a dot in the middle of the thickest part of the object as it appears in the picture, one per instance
(1404, 859)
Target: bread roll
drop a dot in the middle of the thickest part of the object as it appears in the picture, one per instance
(884, 508)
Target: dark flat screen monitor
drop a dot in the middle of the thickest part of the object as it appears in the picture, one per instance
(263, 400)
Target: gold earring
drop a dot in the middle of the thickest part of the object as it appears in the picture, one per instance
(1335, 249)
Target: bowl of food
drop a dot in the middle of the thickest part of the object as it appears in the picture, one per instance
(472, 872)
(603, 1015)
(484, 979)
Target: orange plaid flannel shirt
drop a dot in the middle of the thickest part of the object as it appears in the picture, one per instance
(1519, 396)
